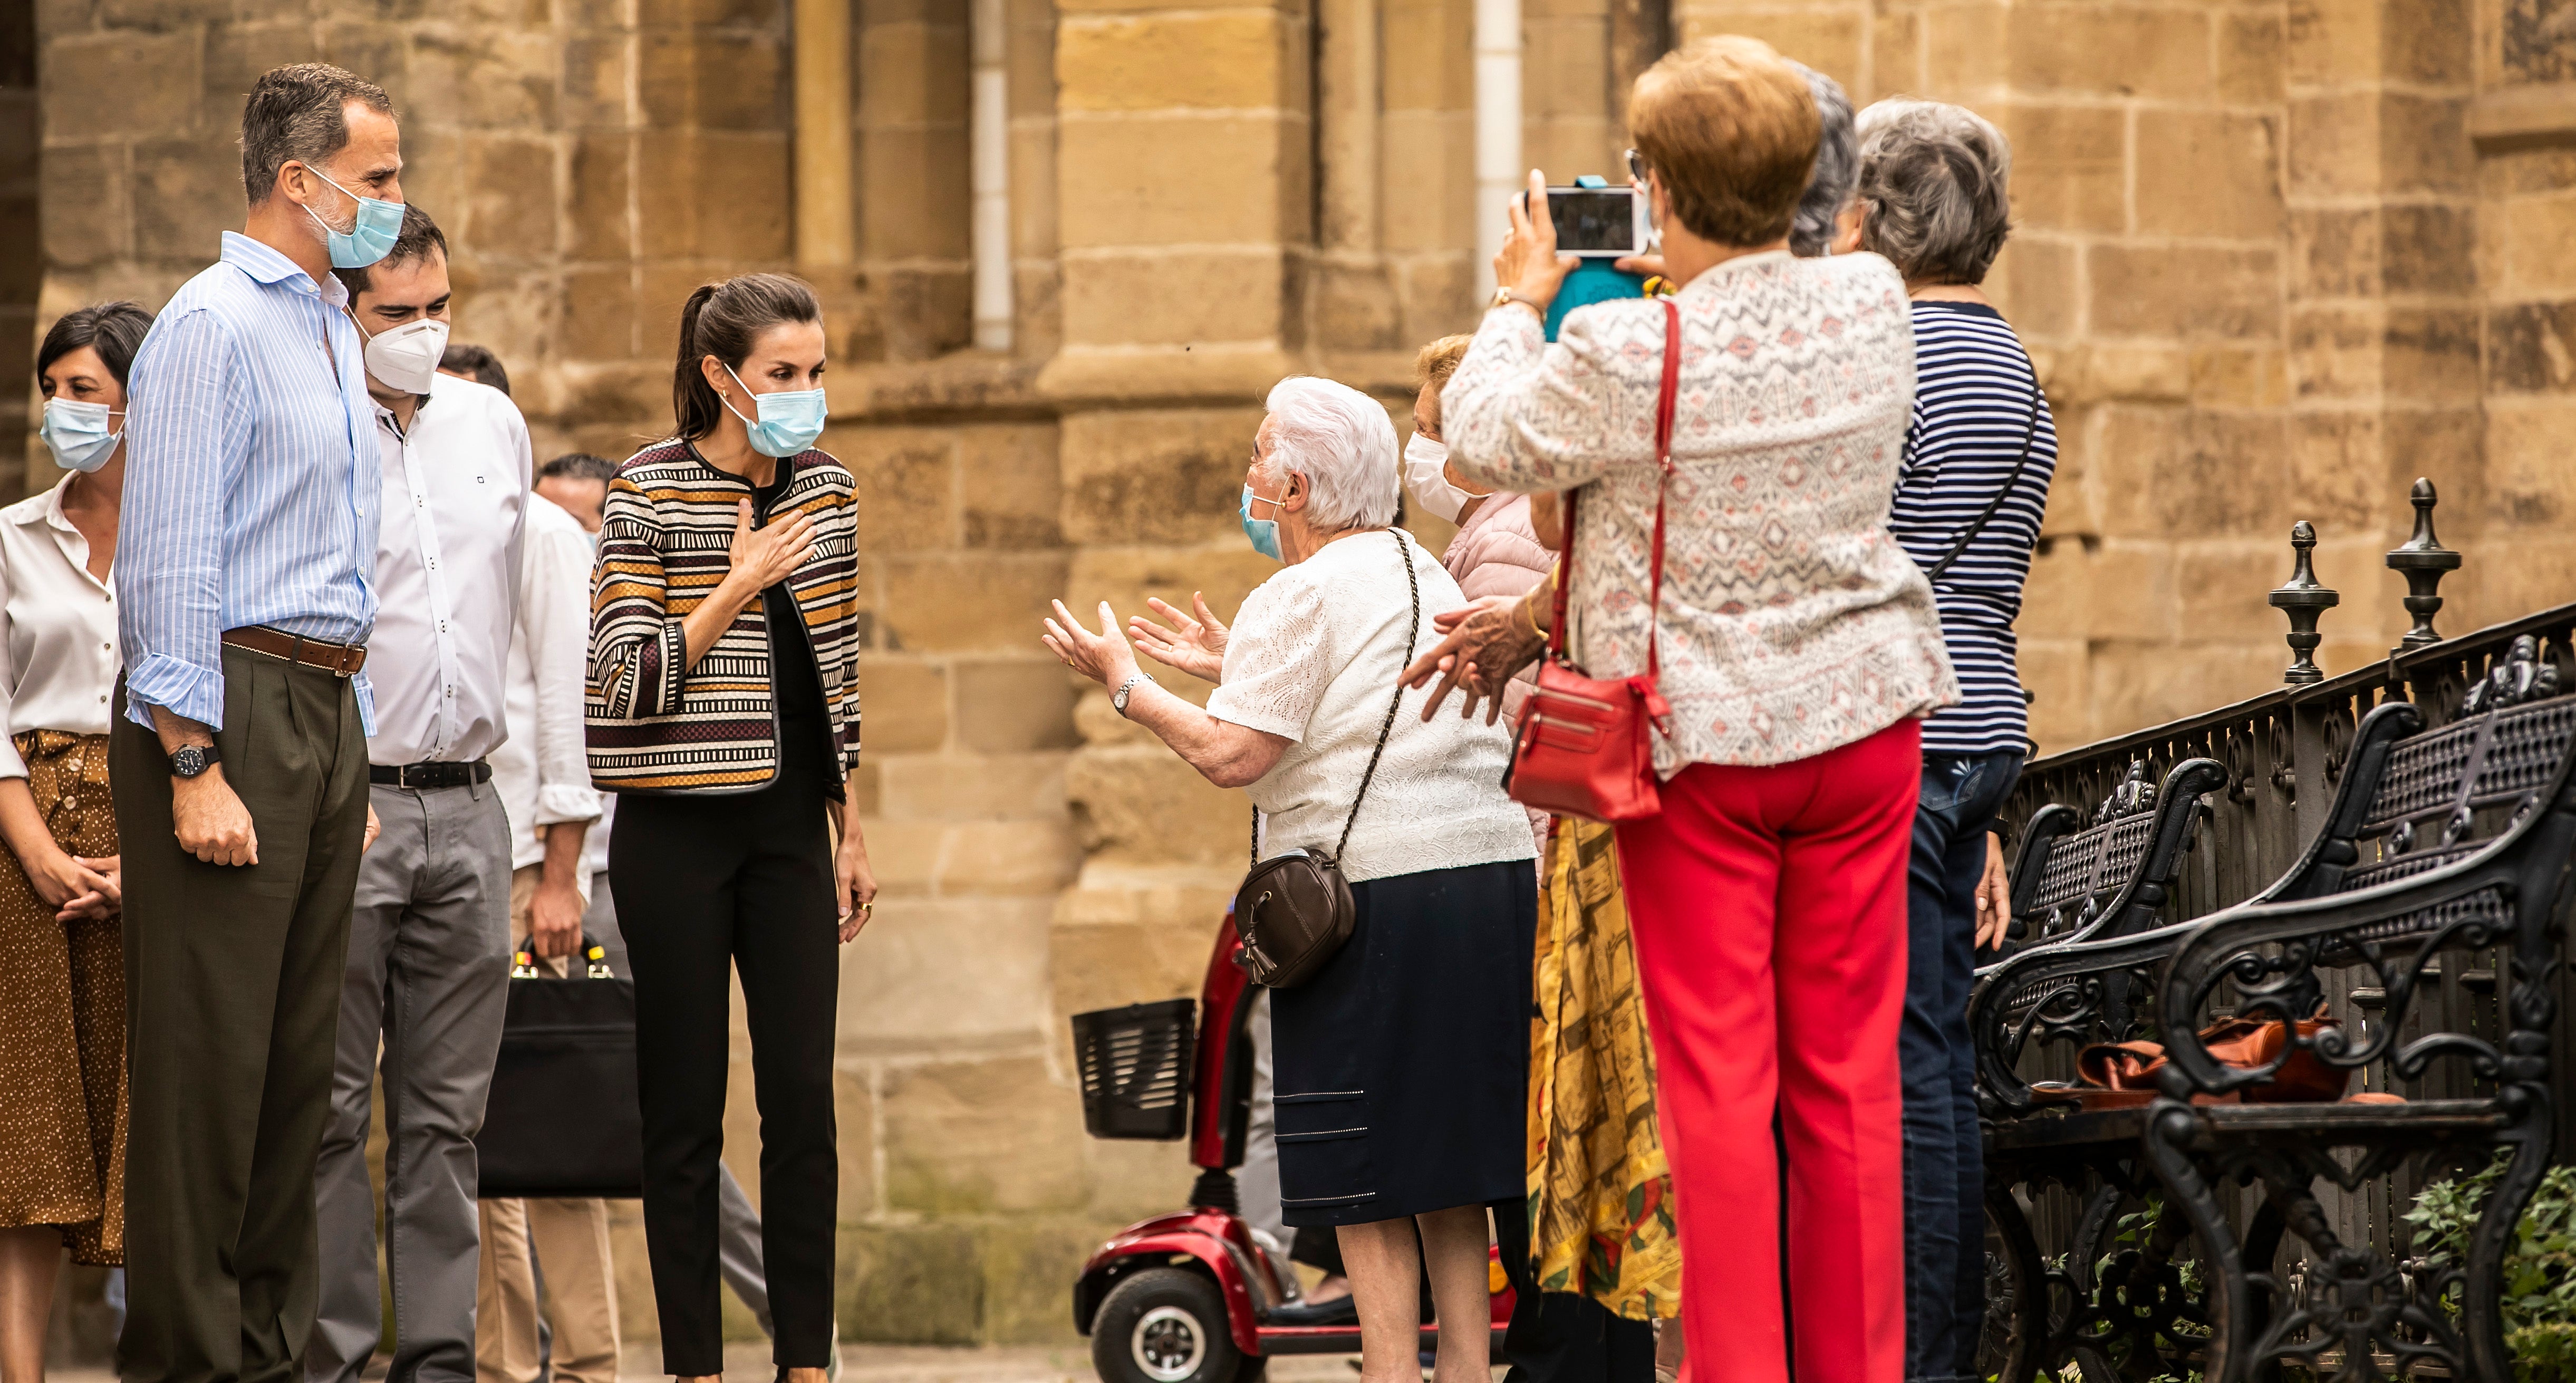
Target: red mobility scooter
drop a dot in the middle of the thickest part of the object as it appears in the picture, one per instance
(1188, 1297)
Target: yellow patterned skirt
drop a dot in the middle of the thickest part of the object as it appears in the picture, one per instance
(62, 1021)
(1600, 1195)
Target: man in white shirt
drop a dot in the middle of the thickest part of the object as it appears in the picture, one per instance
(543, 774)
(429, 940)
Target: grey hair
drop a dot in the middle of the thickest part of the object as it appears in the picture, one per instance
(1935, 177)
(1341, 441)
(1829, 187)
(299, 114)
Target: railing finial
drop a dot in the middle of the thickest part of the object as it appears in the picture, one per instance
(2303, 600)
(2423, 561)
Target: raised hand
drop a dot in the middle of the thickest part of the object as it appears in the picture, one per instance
(1103, 657)
(1486, 643)
(1194, 645)
(764, 557)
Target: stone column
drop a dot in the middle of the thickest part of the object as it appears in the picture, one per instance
(1185, 206)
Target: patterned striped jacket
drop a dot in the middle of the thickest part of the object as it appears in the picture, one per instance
(660, 726)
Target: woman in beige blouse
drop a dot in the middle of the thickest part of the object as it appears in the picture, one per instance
(1798, 648)
(62, 1012)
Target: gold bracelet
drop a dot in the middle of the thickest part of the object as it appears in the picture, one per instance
(1532, 616)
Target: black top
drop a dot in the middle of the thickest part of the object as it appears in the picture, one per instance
(804, 721)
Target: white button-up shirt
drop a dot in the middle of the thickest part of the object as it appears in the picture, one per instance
(543, 771)
(57, 627)
(447, 574)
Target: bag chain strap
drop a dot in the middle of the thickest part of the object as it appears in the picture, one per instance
(1404, 553)
(1663, 479)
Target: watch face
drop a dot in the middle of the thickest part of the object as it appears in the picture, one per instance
(189, 761)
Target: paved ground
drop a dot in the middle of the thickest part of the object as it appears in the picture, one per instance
(749, 1363)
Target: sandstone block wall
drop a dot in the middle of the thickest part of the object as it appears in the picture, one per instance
(2276, 258)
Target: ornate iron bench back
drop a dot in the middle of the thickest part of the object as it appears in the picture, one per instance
(2459, 800)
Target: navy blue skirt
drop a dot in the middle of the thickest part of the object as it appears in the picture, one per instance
(1401, 1070)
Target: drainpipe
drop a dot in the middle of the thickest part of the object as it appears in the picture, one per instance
(989, 134)
(1500, 174)
(826, 216)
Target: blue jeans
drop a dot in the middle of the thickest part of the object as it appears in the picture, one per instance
(1945, 1217)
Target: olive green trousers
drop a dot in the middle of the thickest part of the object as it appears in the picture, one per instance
(233, 977)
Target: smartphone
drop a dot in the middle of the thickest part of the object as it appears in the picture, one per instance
(1598, 222)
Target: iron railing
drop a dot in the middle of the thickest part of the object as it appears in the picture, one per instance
(2284, 752)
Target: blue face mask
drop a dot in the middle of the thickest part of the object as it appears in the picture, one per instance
(1264, 533)
(790, 419)
(371, 236)
(78, 434)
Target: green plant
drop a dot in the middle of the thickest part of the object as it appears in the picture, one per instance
(2539, 1268)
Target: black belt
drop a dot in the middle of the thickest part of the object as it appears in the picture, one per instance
(429, 774)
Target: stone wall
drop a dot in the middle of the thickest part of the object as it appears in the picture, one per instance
(2276, 258)
(2267, 277)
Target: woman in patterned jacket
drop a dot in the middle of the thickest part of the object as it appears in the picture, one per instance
(724, 712)
(1798, 648)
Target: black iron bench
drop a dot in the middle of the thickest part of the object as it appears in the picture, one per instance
(2448, 845)
(2072, 883)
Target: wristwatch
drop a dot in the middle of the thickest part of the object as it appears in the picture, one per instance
(1118, 698)
(190, 760)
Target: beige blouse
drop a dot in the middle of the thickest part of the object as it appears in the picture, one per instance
(1792, 623)
(58, 658)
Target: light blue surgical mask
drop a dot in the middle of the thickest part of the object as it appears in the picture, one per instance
(79, 434)
(370, 237)
(790, 419)
(1264, 533)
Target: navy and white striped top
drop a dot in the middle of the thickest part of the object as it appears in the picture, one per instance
(1976, 400)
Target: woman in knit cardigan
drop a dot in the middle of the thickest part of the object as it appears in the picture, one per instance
(1799, 649)
(724, 712)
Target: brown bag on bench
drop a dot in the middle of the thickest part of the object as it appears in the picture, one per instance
(2122, 1075)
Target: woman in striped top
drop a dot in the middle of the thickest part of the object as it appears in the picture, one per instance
(1979, 452)
(724, 709)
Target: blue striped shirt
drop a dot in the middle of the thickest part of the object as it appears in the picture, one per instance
(1976, 402)
(251, 480)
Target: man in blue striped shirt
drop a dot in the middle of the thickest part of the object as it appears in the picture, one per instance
(244, 585)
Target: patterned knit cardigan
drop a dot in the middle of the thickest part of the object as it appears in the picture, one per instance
(658, 725)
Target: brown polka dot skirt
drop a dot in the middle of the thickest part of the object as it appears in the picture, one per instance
(62, 1021)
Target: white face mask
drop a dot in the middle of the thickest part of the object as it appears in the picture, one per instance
(1426, 478)
(406, 357)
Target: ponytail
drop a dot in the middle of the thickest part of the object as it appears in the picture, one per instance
(725, 320)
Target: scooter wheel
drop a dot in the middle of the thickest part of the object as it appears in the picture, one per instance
(1165, 1325)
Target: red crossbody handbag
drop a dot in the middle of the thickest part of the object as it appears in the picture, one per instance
(1585, 746)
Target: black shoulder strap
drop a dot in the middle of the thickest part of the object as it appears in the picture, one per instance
(2011, 483)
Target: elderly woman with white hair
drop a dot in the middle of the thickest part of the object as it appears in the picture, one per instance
(1400, 1067)
(1973, 484)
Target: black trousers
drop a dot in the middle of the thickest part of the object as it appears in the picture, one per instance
(707, 885)
(1563, 1337)
(233, 978)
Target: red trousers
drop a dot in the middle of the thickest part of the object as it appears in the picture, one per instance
(1768, 907)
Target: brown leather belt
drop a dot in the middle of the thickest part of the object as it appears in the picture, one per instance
(339, 659)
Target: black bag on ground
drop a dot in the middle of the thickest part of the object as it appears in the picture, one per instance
(563, 1118)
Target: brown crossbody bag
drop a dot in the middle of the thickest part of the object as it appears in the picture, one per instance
(1294, 911)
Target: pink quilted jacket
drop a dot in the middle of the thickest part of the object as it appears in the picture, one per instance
(1497, 553)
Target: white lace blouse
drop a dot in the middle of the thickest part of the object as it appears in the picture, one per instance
(1792, 623)
(1314, 656)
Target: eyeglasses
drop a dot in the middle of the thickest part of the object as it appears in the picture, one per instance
(1638, 168)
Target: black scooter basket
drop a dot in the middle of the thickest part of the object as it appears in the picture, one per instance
(1135, 1064)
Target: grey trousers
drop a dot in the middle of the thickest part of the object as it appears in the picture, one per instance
(426, 987)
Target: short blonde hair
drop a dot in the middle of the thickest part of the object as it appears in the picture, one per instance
(1730, 130)
(1439, 360)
